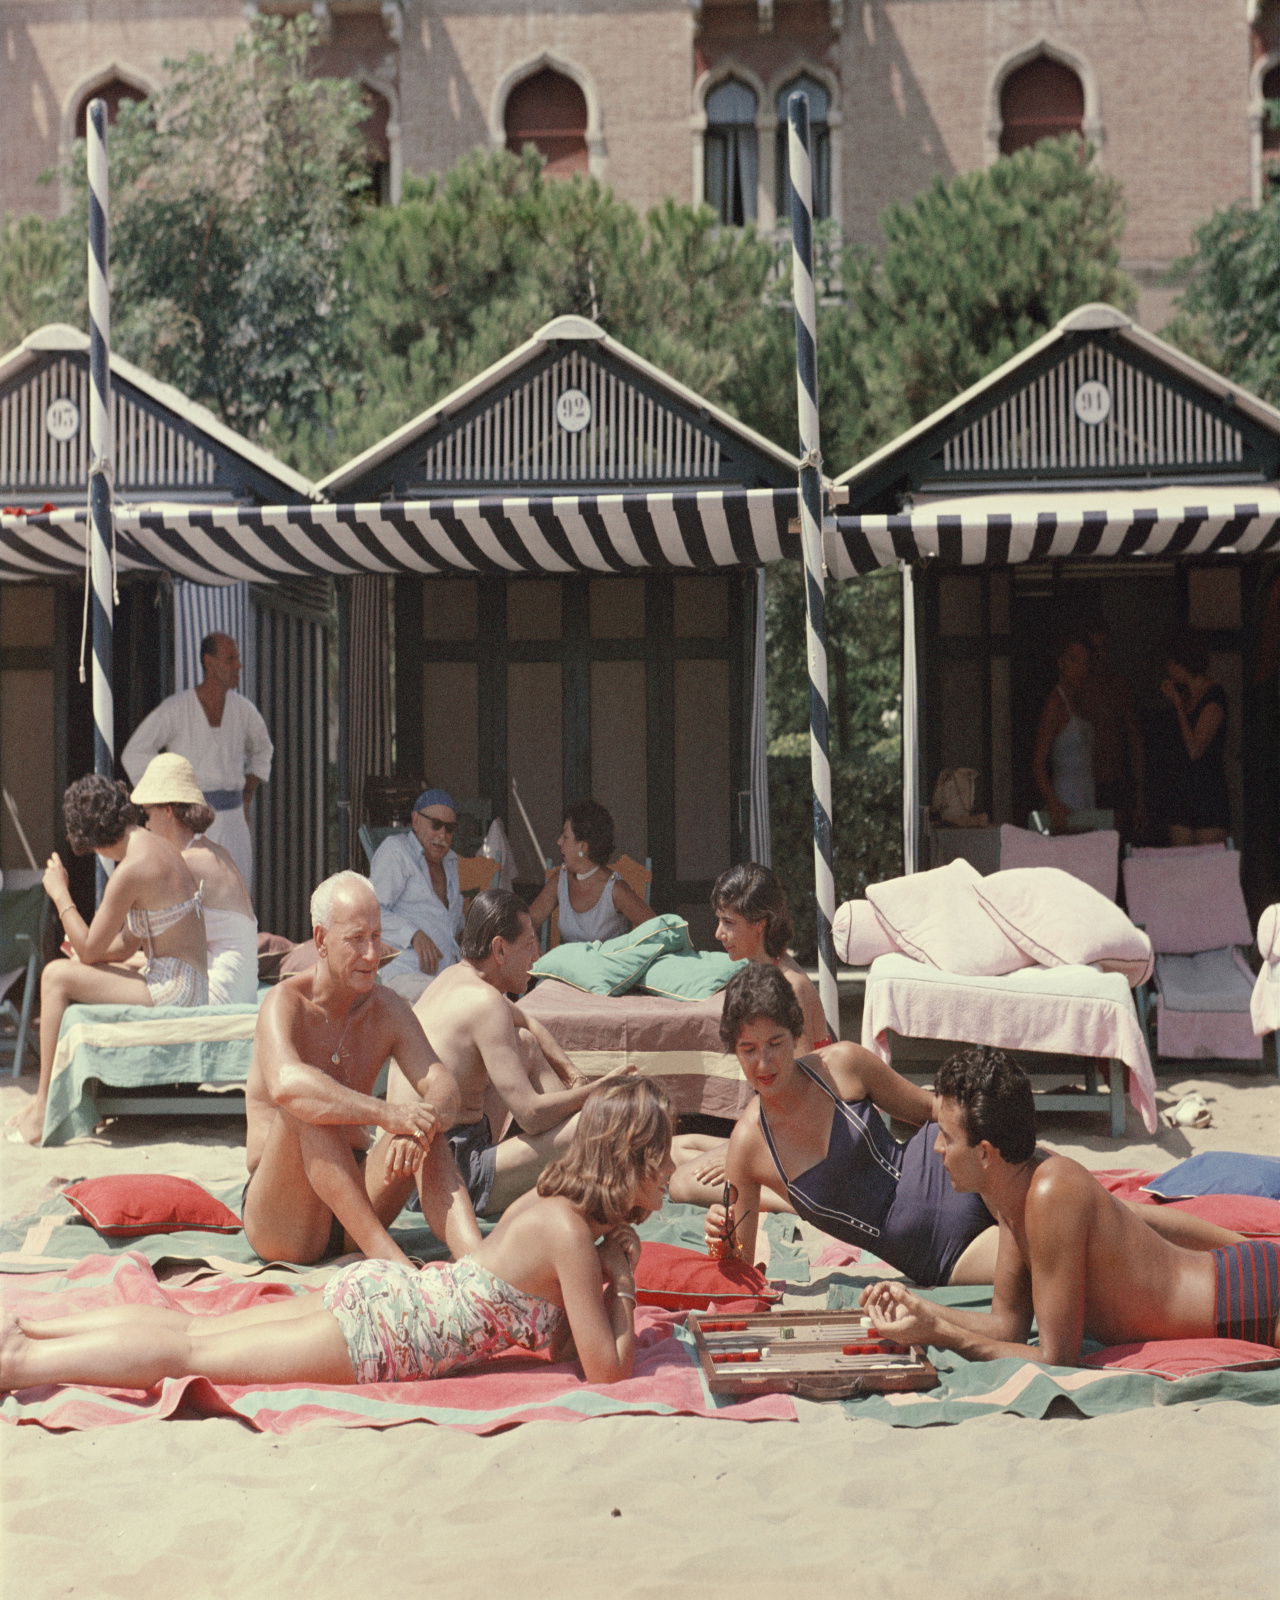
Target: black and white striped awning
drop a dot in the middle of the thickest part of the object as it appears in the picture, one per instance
(691, 530)
(1000, 530)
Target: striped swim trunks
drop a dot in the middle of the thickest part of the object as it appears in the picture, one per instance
(1247, 1290)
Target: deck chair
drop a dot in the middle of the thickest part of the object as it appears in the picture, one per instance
(636, 877)
(1190, 902)
(1094, 858)
(1087, 820)
(23, 916)
(371, 836)
(475, 873)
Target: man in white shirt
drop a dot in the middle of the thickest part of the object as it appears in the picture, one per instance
(224, 738)
(415, 875)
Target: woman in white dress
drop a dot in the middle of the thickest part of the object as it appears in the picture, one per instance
(177, 811)
(594, 903)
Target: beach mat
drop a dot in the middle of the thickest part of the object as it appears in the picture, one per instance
(1126, 1378)
(55, 1235)
(511, 1389)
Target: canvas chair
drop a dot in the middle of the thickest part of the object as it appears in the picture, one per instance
(1190, 903)
(23, 916)
(476, 873)
(1094, 858)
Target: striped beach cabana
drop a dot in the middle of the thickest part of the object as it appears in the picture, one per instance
(1099, 474)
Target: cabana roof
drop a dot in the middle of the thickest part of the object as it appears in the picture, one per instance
(1098, 440)
(166, 446)
(571, 408)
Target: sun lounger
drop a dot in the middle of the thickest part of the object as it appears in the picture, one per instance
(147, 1061)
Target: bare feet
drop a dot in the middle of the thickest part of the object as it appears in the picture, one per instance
(28, 1126)
(12, 1343)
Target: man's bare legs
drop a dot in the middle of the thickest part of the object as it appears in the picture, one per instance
(446, 1205)
(307, 1172)
(64, 983)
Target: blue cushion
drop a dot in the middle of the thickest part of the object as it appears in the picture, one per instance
(1219, 1172)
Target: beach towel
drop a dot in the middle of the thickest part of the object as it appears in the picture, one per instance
(512, 1388)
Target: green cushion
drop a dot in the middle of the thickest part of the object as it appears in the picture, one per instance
(611, 966)
(691, 974)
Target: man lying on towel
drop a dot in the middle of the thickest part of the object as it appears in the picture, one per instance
(1069, 1253)
(501, 1060)
(319, 1044)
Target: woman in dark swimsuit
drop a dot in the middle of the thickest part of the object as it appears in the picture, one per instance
(1199, 807)
(815, 1131)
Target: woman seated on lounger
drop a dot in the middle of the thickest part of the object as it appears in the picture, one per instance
(556, 1273)
(151, 903)
(753, 923)
(594, 902)
(814, 1131)
(177, 810)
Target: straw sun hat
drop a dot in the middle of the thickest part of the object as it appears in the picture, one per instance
(169, 780)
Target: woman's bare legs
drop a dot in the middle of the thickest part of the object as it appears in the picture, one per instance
(167, 1317)
(286, 1343)
(65, 983)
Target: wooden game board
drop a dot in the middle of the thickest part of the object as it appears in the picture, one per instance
(819, 1355)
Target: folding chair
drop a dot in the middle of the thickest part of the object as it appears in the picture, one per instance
(23, 916)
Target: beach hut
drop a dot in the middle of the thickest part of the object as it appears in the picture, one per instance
(169, 453)
(609, 640)
(554, 577)
(1099, 474)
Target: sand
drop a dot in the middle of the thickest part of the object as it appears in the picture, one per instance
(1177, 1503)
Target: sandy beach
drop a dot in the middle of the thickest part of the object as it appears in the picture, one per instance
(1179, 1501)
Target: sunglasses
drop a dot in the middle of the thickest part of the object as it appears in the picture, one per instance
(435, 824)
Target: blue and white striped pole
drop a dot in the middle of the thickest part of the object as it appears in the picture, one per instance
(100, 449)
(800, 192)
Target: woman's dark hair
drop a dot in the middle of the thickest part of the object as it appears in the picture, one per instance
(494, 914)
(593, 826)
(622, 1137)
(198, 818)
(994, 1098)
(759, 990)
(1191, 653)
(96, 812)
(756, 893)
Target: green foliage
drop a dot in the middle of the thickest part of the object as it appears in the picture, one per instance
(1229, 310)
(471, 264)
(231, 201)
(34, 258)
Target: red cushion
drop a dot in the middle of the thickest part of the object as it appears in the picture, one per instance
(1184, 1358)
(1249, 1214)
(685, 1280)
(126, 1204)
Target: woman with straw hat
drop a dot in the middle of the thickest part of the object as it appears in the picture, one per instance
(177, 811)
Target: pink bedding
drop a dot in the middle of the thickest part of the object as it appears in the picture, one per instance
(675, 1041)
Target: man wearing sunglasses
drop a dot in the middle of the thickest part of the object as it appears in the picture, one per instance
(416, 877)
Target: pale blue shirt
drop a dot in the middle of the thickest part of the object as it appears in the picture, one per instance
(411, 905)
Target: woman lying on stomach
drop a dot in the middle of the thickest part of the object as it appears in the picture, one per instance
(555, 1274)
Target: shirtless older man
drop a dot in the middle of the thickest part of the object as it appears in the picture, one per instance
(500, 1058)
(1069, 1253)
(319, 1044)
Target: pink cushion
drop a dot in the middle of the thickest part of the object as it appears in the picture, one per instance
(859, 935)
(125, 1205)
(1188, 900)
(937, 917)
(1094, 858)
(1061, 922)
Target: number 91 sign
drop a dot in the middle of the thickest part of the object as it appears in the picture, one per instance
(1093, 402)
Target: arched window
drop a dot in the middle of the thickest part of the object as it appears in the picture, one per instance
(1270, 132)
(377, 143)
(113, 92)
(1041, 100)
(731, 159)
(819, 145)
(549, 111)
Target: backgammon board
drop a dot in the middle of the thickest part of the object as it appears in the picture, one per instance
(818, 1355)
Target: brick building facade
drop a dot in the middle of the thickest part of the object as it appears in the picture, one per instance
(665, 97)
